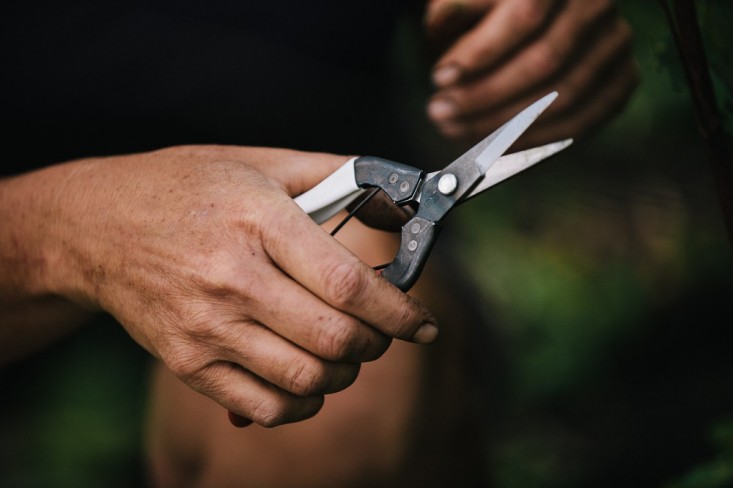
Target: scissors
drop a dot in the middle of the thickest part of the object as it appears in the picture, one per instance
(435, 194)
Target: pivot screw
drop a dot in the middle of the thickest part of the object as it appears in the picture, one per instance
(447, 184)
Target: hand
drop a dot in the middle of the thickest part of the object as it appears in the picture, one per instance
(504, 54)
(201, 254)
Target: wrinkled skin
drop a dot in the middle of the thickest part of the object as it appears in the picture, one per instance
(201, 254)
(415, 417)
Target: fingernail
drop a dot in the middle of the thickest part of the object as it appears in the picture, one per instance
(238, 420)
(426, 334)
(442, 109)
(446, 75)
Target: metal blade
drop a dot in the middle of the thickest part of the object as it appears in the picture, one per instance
(510, 165)
(486, 152)
(444, 191)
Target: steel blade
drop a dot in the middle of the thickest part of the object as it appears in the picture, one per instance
(510, 165)
(506, 135)
(457, 179)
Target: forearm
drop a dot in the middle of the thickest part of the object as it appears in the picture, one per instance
(190, 249)
(32, 311)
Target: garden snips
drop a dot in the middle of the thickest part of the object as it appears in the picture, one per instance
(435, 194)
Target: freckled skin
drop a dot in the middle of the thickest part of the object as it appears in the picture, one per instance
(391, 428)
(191, 249)
(199, 275)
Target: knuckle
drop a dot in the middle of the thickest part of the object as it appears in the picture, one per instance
(307, 377)
(339, 340)
(344, 283)
(186, 363)
(270, 413)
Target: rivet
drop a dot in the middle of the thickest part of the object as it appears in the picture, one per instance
(393, 178)
(447, 184)
(412, 245)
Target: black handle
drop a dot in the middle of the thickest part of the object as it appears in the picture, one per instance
(397, 180)
(418, 237)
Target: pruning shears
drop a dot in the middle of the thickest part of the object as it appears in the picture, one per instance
(434, 194)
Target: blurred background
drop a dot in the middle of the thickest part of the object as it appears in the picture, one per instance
(609, 269)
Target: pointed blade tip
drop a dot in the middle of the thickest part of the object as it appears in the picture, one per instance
(545, 101)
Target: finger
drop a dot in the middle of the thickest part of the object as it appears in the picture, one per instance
(606, 63)
(546, 59)
(297, 315)
(503, 30)
(579, 116)
(338, 278)
(250, 397)
(589, 112)
(535, 65)
(272, 358)
(606, 50)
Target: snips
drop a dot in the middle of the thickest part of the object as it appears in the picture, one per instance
(434, 194)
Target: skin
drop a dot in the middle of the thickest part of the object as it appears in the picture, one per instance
(498, 56)
(203, 257)
(212, 453)
(399, 424)
(495, 58)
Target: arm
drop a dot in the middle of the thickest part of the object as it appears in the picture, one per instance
(201, 254)
(501, 54)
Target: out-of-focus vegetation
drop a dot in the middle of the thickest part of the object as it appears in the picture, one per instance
(611, 275)
(72, 417)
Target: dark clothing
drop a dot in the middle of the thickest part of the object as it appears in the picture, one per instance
(91, 78)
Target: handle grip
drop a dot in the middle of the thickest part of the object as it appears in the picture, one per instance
(418, 237)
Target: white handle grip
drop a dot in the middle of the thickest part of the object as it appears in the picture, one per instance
(331, 195)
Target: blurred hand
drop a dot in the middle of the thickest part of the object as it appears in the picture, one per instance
(201, 254)
(501, 55)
